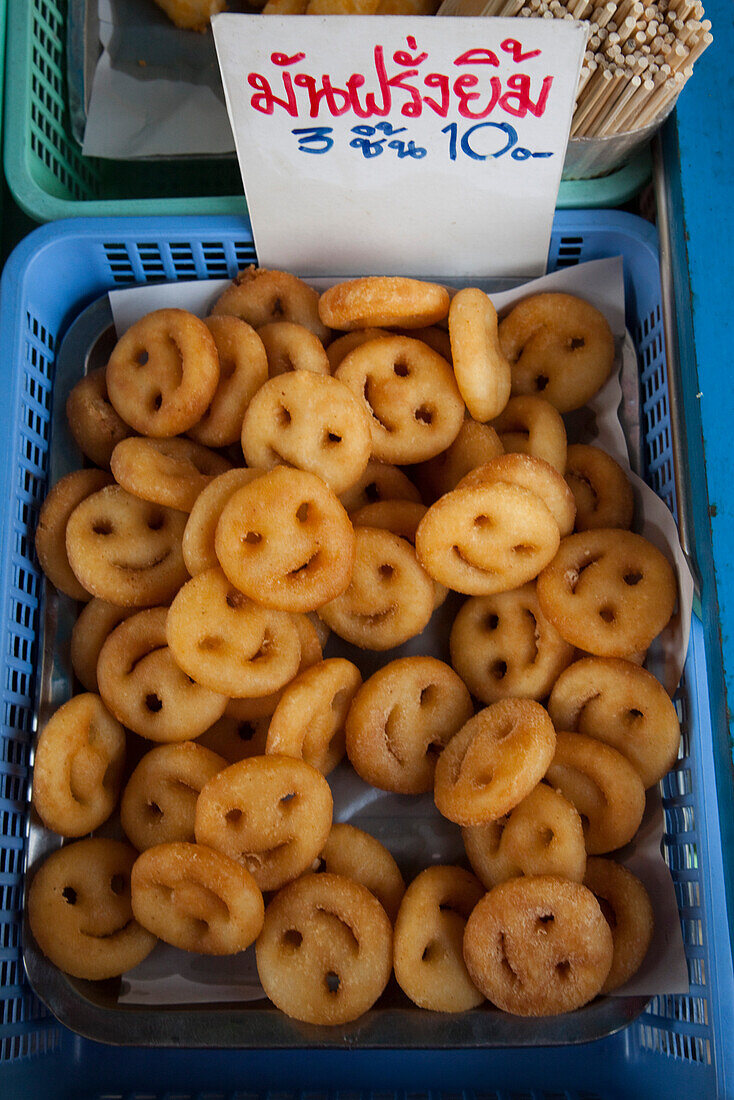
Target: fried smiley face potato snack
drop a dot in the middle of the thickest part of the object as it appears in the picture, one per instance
(229, 643)
(125, 550)
(325, 952)
(77, 774)
(286, 541)
(271, 813)
(401, 719)
(410, 394)
(487, 538)
(429, 932)
(96, 427)
(383, 301)
(390, 597)
(144, 687)
(171, 472)
(80, 912)
(482, 371)
(57, 509)
(558, 345)
(196, 899)
(538, 946)
(261, 297)
(311, 421)
(608, 591)
(357, 855)
(308, 722)
(159, 801)
(494, 761)
(163, 373)
(503, 646)
(543, 835)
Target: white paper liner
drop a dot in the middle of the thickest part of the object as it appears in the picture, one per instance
(156, 90)
(410, 826)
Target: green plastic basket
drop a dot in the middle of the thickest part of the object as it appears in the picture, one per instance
(51, 179)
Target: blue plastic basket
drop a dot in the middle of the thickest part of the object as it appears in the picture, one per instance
(677, 1048)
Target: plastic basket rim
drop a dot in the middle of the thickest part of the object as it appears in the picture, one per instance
(161, 226)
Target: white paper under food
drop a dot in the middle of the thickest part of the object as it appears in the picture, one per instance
(409, 826)
(156, 90)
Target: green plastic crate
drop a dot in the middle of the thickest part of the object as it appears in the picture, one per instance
(51, 179)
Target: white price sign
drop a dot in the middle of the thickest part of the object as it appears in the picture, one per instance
(400, 145)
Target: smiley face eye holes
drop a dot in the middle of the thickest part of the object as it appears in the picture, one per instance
(428, 695)
(69, 895)
(563, 969)
(235, 599)
(292, 938)
(433, 952)
(332, 981)
(156, 521)
(544, 922)
(153, 702)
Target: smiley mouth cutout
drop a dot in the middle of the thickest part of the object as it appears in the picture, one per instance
(374, 618)
(254, 861)
(309, 564)
(458, 553)
(141, 657)
(107, 935)
(152, 564)
(369, 398)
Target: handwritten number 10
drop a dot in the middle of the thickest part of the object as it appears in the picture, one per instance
(517, 152)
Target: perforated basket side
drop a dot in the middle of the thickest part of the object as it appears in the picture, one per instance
(53, 160)
(26, 1027)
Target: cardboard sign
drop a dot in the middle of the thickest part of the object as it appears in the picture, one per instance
(398, 145)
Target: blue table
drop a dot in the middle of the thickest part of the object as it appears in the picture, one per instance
(699, 172)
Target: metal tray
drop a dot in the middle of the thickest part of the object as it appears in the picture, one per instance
(92, 1008)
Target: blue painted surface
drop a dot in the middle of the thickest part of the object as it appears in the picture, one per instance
(699, 154)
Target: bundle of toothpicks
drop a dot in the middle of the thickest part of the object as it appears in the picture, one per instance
(637, 59)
